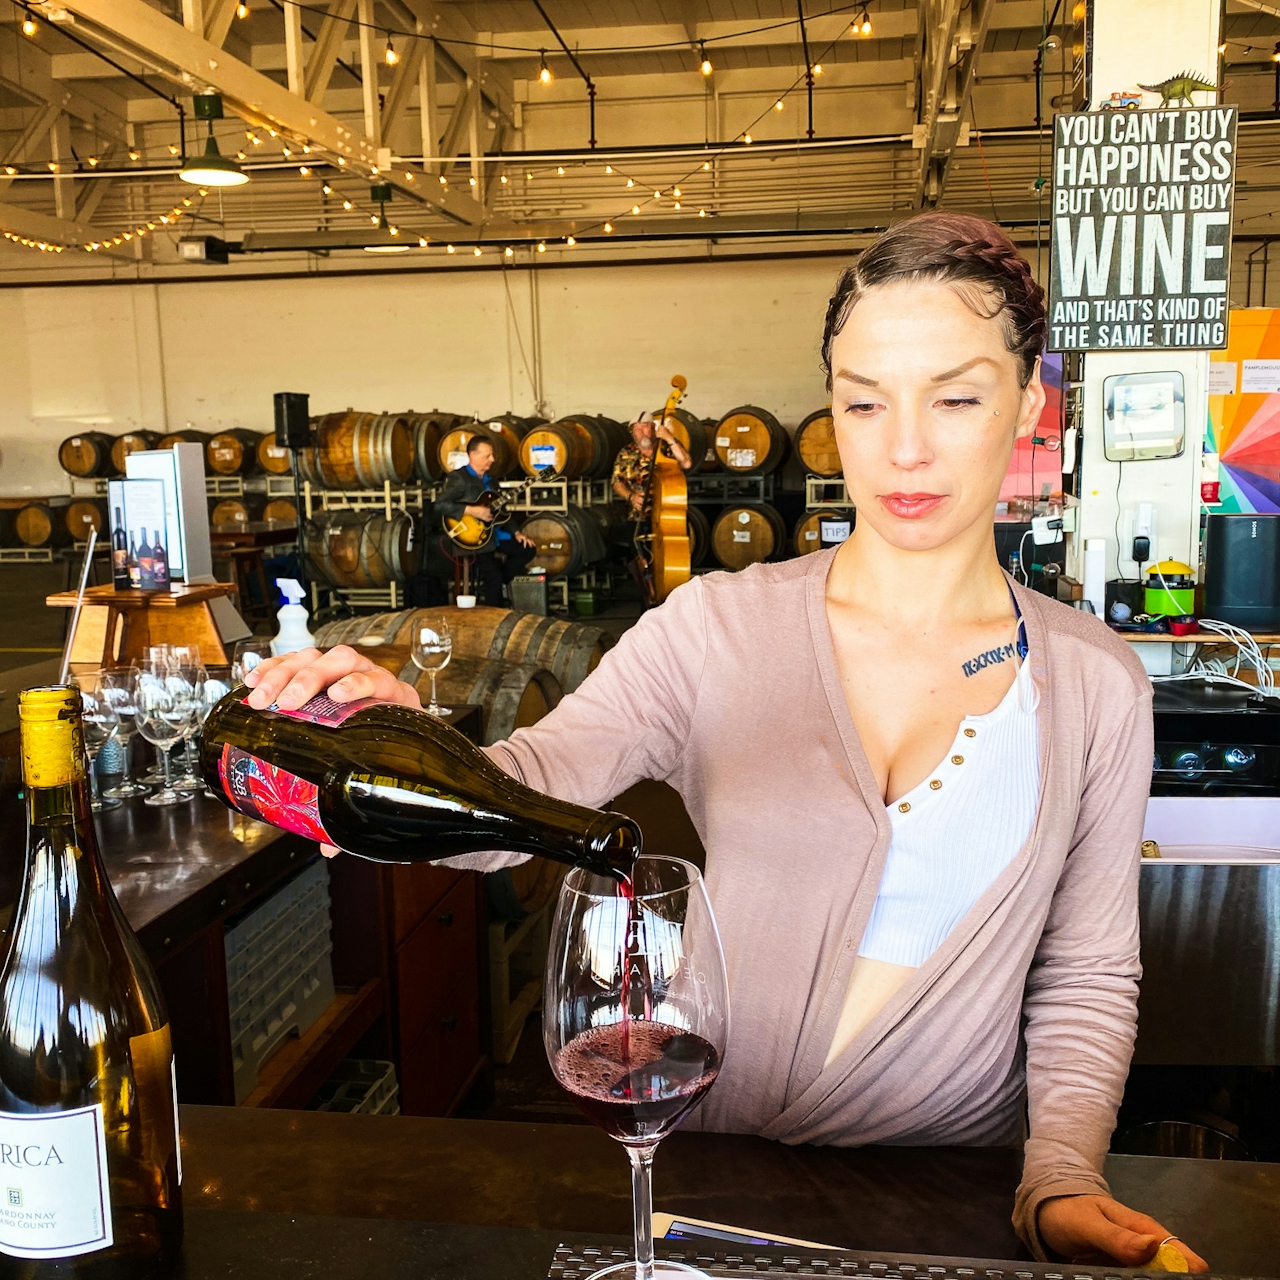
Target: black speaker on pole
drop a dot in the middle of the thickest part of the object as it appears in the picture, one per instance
(293, 419)
(1242, 569)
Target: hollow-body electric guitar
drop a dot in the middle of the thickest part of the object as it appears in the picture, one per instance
(470, 533)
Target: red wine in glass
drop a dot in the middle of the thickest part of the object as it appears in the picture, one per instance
(635, 1079)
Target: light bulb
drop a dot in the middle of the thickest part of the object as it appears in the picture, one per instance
(29, 27)
(528, 177)
(303, 171)
(560, 170)
(608, 168)
(373, 173)
(391, 56)
(327, 189)
(542, 247)
(240, 155)
(866, 23)
(450, 249)
(373, 217)
(657, 195)
(186, 202)
(346, 204)
(472, 181)
(702, 213)
(503, 179)
(395, 231)
(571, 242)
(817, 68)
(1222, 48)
(635, 208)
(545, 75)
(408, 177)
(173, 150)
(93, 162)
(287, 151)
(777, 106)
(476, 251)
(608, 226)
(444, 182)
(10, 170)
(675, 191)
(422, 242)
(706, 68)
(631, 182)
(242, 11)
(134, 155)
(706, 164)
(253, 137)
(509, 252)
(676, 204)
(746, 137)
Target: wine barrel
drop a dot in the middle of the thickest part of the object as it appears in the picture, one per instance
(273, 458)
(232, 453)
(427, 428)
(359, 451)
(504, 433)
(747, 535)
(695, 435)
(281, 511)
(131, 442)
(87, 454)
(569, 650)
(229, 514)
(750, 440)
(185, 436)
(577, 446)
(816, 445)
(40, 525)
(807, 536)
(81, 515)
(364, 548)
(699, 535)
(512, 696)
(566, 543)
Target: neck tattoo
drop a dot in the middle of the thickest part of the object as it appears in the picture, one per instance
(989, 659)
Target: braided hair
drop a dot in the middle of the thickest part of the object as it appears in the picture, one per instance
(960, 249)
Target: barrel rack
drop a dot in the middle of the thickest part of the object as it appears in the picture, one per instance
(823, 492)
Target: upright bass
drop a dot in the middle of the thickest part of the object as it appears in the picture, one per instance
(665, 563)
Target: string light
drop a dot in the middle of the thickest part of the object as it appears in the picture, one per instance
(347, 205)
(444, 182)
(253, 137)
(327, 189)
(1222, 48)
(242, 11)
(422, 242)
(10, 170)
(777, 106)
(303, 171)
(509, 252)
(608, 168)
(706, 164)
(560, 170)
(746, 137)
(476, 251)
(631, 182)
(817, 68)
(676, 204)
(571, 242)
(450, 249)
(173, 150)
(675, 191)
(92, 162)
(635, 208)
(503, 179)
(705, 67)
(1275, 56)
(542, 246)
(408, 177)
(240, 155)
(861, 24)
(391, 57)
(608, 226)
(134, 155)
(702, 213)
(657, 195)
(529, 176)
(544, 71)
(29, 27)
(471, 181)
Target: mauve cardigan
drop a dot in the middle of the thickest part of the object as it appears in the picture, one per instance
(730, 693)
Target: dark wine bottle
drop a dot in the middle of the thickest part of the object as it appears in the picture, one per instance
(135, 569)
(159, 564)
(89, 1160)
(388, 783)
(119, 554)
(146, 567)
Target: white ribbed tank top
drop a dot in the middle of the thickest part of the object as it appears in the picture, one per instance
(955, 832)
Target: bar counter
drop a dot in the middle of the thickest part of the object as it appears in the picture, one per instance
(292, 1194)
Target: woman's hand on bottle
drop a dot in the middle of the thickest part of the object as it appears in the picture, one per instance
(1100, 1229)
(343, 672)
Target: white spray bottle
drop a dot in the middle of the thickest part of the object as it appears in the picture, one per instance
(293, 634)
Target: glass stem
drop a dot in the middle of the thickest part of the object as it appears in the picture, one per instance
(164, 755)
(93, 779)
(642, 1207)
(434, 703)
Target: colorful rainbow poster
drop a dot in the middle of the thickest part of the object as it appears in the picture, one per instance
(1244, 426)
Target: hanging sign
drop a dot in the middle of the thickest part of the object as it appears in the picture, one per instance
(1142, 206)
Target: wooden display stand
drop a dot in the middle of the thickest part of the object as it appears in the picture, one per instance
(117, 627)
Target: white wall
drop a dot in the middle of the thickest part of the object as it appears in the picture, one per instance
(134, 356)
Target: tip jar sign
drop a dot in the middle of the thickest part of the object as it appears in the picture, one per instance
(1142, 205)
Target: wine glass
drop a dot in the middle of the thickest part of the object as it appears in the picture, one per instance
(431, 647)
(120, 687)
(247, 654)
(100, 725)
(636, 1016)
(164, 712)
(187, 683)
(217, 684)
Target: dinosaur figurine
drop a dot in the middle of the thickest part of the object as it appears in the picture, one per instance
(1179, 88)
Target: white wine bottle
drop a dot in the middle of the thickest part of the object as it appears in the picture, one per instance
(90, 1166)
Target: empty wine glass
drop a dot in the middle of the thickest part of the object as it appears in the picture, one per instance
(431, 647)
(164, 712)
(247, 654)
(120, 687)
(187, 682)
(100, 725)
(636, 1016)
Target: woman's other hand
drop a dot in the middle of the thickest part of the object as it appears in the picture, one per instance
(296, 678)
(1100, 1229)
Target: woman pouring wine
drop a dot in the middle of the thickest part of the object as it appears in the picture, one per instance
(920, 786)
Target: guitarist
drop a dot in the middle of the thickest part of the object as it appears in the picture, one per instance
(506, 554)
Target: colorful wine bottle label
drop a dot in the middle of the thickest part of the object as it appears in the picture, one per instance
(271, 795)
(322, 710)
(55, 1198)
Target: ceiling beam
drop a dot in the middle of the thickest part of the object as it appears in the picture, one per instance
(28, 72)
(190, 61)
(327, 48)
(41, 226)
(457, 39)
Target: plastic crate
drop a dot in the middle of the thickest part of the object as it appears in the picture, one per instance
(279, 972)
(360, 1084)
